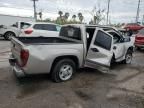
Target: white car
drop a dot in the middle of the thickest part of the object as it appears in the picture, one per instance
(9, 31)
(37, 29)
(30, 29)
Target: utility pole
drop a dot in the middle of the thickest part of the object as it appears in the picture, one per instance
(138, 11)
(108, 12)
(34, 5)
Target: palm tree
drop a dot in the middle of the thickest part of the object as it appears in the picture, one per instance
(74, 17)
(60, 14)
(60, 18)
(80, 17)
(79, 14)
(66, 16)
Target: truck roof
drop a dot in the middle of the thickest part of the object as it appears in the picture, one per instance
(88, 26)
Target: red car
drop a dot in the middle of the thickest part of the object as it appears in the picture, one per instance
(134, 27)
(139, 39)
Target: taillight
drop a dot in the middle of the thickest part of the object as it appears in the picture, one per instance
(139, 37)
(29, 31)
(24, 55)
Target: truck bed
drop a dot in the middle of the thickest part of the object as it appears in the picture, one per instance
(35, 40)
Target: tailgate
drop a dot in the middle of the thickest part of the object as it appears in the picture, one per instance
(16, 47)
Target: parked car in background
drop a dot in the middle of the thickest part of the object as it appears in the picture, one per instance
(139, 39)
(36, 29)
(76, 47)
(32, 29)
(9, 31)
(133, 27)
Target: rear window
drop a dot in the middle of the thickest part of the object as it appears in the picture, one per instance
(141, 32)
(48, 27)
(71, 32)
(58, 27)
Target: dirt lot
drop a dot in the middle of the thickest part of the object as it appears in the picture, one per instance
(123, 87)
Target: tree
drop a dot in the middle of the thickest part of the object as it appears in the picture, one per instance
(60, 18)
(80, 17)
(74, 17)
(66, 16)
(98, 15)
(60, 14)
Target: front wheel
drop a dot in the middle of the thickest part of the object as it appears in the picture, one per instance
(128, 57)
(63, 70)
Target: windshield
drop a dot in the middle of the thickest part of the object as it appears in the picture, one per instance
(15, 25)
(71, 32)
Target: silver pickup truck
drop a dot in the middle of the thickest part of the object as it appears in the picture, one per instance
(77, 46)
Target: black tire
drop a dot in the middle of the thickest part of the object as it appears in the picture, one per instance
(112, 62)
(8, 35)
(57, 70)
(128, 55)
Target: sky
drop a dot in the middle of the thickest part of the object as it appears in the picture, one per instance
(121, 11)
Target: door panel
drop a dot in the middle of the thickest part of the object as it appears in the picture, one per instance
(99, 54)
(118, 45)
(119, 49)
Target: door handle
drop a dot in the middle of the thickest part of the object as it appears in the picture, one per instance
(94, 49)
(114, 47)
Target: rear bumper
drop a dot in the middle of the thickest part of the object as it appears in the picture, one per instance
(16, 69)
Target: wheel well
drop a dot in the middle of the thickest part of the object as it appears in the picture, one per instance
(74, 58)
(11, 32)
(130, 49)
(113, 58)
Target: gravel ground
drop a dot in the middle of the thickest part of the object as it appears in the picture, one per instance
(123, 87)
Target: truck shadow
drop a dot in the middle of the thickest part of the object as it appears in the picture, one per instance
(34, 84)
(31, 84)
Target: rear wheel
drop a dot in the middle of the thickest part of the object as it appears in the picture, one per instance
(63, 70)
(9, 35)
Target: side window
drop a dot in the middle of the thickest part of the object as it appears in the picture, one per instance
(38, 26)
(25, 25)
(103, 40)
(49, 27)
(71, 32)
(116, 37)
